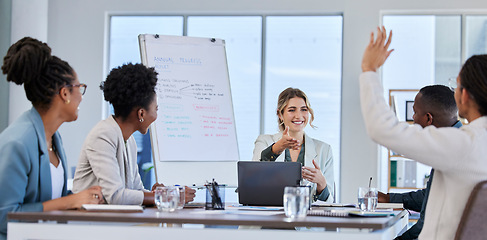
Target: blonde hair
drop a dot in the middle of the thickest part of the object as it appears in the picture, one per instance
(283, 100)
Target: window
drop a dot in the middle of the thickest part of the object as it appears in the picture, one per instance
(265, 55)
(243, 43)
(306, 53)
(124, 48)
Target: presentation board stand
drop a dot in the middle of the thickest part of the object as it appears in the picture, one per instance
(194, 135)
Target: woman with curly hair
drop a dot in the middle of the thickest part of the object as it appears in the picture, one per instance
(109, 155)
(32, 160)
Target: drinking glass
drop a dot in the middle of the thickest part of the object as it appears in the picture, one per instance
(367, 199)
(296, 202)
(166, 198)
(182, 196)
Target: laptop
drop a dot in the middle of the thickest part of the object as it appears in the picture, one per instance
(263, 183)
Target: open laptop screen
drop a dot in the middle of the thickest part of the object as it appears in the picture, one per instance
(263, 183)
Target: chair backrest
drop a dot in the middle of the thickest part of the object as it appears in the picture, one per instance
(472, 224)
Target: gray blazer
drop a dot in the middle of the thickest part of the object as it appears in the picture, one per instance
(315, 149)
(106, 160)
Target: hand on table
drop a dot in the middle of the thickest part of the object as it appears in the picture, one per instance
(91, 195)
(383, 197)
(189, 194)
(156, 185)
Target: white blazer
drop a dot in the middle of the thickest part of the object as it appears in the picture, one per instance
(314, 149)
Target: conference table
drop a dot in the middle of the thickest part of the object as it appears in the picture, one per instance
(233, 223)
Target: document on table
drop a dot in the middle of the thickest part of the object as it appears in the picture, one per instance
(258, 208)
(371, 214)
(390, 206)
(325, 204)
(112, 208)
(238, 212)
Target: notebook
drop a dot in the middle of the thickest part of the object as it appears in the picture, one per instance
(263, 183)
(330, 212)
(112, 208)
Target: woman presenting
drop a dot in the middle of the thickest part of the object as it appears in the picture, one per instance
(291, 144)
(109, 154)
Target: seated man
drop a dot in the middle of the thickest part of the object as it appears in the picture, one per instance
(433, 105)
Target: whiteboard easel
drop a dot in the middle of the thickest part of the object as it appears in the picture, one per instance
(194, 135)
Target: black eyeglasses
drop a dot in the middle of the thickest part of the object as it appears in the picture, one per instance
(82, 87)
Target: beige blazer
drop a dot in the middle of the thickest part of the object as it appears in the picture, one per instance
(314, 149)
(106, 160)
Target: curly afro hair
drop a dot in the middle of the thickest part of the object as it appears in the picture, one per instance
(129, 86)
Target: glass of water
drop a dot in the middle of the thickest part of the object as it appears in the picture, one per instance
(296, 202)
(166, 198)
(367, 199)
(182, 196)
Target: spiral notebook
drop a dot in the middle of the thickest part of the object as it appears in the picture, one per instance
(329, 212)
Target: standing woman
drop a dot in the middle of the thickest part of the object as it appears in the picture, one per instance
(291, 144)
(32, 159)
(109, 154)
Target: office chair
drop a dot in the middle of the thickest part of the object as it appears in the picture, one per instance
(472, 223)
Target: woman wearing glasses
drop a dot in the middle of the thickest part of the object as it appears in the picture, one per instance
(109, 154)
(32, 159)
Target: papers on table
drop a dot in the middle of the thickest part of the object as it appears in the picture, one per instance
(112, 208)
(238, 212)
(390, 206)
(251, 208)
(370, 214)
(325, 204)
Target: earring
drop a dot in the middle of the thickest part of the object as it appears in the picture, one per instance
(67, 101)
(141, 120)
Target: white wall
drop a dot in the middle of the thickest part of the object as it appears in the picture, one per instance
(29, 18)
(76, 32)
(5, 26)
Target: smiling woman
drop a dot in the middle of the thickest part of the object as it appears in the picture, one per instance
(109, 154)
(33, 161)
(294, 112)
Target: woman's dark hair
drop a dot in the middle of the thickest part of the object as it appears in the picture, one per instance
(473, 77)
(29, 62)
(130, 86)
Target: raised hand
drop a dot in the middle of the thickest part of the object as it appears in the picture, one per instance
(314, 175)
(377, 51)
